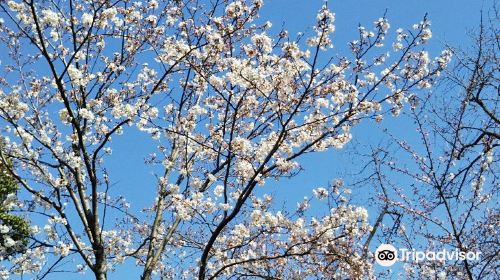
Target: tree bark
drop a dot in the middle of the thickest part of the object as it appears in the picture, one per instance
(100, 266)
(146, 275)
(100, 275)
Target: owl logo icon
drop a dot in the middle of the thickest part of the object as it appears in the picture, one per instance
(386, 255)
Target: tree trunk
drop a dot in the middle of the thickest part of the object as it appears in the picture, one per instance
(146, 275)
(100, 275)
(100, 270)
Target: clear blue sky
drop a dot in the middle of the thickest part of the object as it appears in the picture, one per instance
(450, 21)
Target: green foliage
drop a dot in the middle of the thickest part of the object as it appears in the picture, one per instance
(18, 226)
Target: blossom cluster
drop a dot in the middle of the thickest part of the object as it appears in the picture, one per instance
(227, 105)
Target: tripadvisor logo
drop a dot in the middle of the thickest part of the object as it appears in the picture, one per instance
(387, 255)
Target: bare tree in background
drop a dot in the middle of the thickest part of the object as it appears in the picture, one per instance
(442, 191)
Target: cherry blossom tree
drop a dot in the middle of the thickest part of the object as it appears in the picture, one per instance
(439, 190)
(229, 106)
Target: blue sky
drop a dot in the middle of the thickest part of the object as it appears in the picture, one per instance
(450, 22)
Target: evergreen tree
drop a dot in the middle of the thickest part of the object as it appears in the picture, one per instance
(14, 230)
